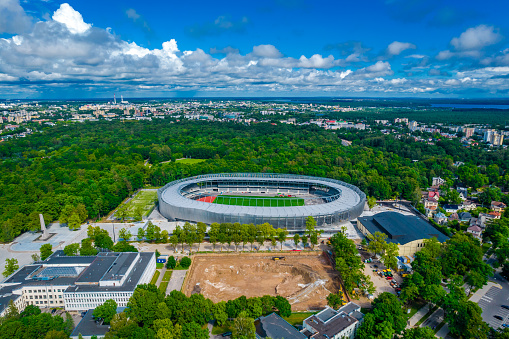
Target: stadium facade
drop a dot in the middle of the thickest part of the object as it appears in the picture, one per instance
(329, 201)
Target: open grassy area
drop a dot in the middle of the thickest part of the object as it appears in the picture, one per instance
(163, 286)
(167, 276)
(298, 317)
(240, 200)
(159, 265)
(190, 161)
(154, 278)
(415, 306)
(145, 200)
(221, 329)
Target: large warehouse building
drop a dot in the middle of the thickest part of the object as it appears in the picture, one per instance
(408, 231)
(282, 200)
(77, 283)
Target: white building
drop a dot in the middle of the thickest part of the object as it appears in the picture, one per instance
(333, 324)
(77, 283)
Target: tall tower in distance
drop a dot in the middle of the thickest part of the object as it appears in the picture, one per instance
(114, 99)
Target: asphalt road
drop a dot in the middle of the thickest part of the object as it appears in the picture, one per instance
(434, 320)
(176, 280)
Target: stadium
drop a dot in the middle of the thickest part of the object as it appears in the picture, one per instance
(282, 200)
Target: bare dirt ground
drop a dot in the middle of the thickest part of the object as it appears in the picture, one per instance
(305, 280)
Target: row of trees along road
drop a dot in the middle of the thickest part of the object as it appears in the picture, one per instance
(226, 233)
(67, 166)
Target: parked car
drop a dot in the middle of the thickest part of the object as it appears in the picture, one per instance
(227, 334)
(505, 306)
(389, 278)
(505, 325)
(498, 317)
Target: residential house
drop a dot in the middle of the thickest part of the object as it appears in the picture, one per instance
(468, 205)
(437, 181)
(453, 217)
(440, 218)
(463, 191)
(495, 215)
(498, 206)
(476, 231)
(431, 202)
(464, 216)
(451, 208)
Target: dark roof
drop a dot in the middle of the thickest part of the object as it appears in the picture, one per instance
(400, 228)
(332, 327)
(452, 207)
(96, 270)
(464, 215)
(88, 327)
(275, 327)
(129, 284)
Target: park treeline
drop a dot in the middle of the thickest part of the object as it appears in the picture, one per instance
(98, 164)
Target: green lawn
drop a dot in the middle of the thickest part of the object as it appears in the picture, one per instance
(167, 276)
(416, 306)
(298, 317)
(163, 286)
(143, 199)
(159, 265)
(154, 278)
(242, 200)
(190, 161)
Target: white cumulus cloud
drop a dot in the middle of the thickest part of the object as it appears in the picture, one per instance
(396, 47)
(71, 18)
(476, 38)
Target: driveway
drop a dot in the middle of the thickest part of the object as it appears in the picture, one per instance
(176, 281)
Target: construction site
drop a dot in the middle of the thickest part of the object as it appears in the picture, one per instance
(304, 279)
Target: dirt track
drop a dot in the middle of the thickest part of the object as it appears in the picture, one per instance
(305, 280)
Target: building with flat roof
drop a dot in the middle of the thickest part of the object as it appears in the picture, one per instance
(88, 327)
(275, 327)
(332, 324)
(77, 283)
(408, 231)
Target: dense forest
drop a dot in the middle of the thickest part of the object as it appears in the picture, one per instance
(96, 165)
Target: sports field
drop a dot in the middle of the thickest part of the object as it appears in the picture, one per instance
(242, 200)
(145, 200)
(189, 161)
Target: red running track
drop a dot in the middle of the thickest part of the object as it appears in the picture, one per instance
(207, 199)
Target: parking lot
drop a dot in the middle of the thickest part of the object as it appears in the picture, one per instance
(381, 283)
(491, 306)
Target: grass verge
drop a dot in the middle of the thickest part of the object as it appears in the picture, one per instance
(189, 161)
(163, 286)
(167, 276)
(154, 278)
(159, 265)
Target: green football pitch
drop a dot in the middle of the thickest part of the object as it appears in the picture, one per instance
(258, 201)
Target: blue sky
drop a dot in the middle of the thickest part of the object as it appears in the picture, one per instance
(385, 48)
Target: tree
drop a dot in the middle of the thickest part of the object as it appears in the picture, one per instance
(171, 263)
(174, 240)
(46, 251)
(143, 304)
(122, 212)
(371, 202)
(310, 226)
(281, 236)
(220, 314)
(124, 234)
(304, 241)
(185, 262)
(106, 311)
(141, 234)
(243, 327)
(123, 246)
(103, 241)
(71, 249)
(74, 222)
(87, 248)
(36, 257)
(11, 266)
(296, 239)
(314, 240)
(389, 256)
(377, 242)
(419, 333)
(138, 213)
(451, 197)
(335, 300)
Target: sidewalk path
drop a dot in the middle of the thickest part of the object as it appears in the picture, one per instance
(417, 316)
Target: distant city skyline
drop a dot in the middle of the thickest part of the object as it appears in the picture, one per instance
(269, 48)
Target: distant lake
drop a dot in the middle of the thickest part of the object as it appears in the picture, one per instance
(471, 106)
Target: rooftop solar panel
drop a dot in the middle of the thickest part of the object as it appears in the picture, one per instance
(58, 271)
